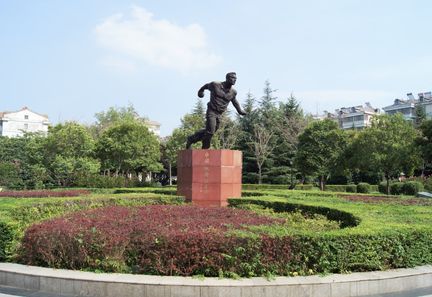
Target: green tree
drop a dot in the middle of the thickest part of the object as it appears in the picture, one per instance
(113, 116)
(9, 175)
(170, 146)
(424, 142)
(289, 124)
(261, 146)
(69, 152)
(387, 146)
(25, 155)
(319, 148)
(420, 115)
(262, 140)
(246, 126)
(129, 147)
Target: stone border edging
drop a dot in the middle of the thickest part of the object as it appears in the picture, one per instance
(117, 285)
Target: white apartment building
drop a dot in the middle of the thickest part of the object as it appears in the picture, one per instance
(425, 100)
(408, 107)
(405, 107)
(356, 117)
(16, 123)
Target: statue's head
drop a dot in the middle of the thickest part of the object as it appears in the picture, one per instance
(231, 77)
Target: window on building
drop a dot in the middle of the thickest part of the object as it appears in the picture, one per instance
(26, 117)
(25, 126)
(359, 118)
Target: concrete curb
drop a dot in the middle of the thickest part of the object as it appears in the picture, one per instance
(118, 285)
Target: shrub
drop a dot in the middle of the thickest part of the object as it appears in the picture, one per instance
(105, 181)
(336, 188)
(6, 235)
(363, 188)
(265, 187)
(305, 187)
(9, 176)
(374, 188)
(382, 187)
(166, 240)
(192, 241)
(43, 193)
(428, 184)
(351, 188)
(396, 188)
(412, 187)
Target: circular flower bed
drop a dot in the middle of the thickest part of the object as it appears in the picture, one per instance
(157, 239)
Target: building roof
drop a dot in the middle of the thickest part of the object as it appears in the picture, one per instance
(399, 103)
(153, 123)
(367, 108)
(3, 113)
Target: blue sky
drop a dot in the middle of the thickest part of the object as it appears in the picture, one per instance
(71, 59)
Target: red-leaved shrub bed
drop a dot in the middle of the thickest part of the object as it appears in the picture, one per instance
(158, 239)
(43, 193)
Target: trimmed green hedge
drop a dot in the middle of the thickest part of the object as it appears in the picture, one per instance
(402, 188)
(265, 187)
(345, 219)
(363, 188)
(306, 187)
(352, 251)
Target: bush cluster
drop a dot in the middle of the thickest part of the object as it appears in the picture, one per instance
(351, 188)
(13, 225)
(306, 187)
(402, 188)
(105, 181)
(163, 240)
(44, 193)
(265, 186)
(363, 188)
(428, 184)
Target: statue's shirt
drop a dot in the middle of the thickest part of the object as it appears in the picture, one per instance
(220, 97)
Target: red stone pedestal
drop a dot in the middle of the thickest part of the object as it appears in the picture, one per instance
(209, 177)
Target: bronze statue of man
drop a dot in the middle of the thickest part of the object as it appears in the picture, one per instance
(221, 94)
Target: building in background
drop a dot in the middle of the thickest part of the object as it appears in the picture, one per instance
(16, 123)
(408, 107)
(425, 101)
(153, 126)
(356, 117)
(405, 107)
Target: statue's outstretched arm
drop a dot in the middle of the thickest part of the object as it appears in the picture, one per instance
(201, 90)
(238, 107)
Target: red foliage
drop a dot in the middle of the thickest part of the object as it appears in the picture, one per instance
(384, 199)
(43, 193)
(156, 239)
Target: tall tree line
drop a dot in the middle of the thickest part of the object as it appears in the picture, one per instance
(118, 144)
(280, 145)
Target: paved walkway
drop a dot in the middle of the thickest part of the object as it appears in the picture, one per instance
(425, 292)
(14, 292)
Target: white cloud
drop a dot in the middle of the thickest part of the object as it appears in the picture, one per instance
(140, 37)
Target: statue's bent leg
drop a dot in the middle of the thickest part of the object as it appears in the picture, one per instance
(194, 138)
(211, 126)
